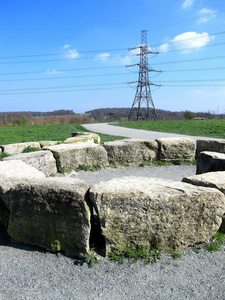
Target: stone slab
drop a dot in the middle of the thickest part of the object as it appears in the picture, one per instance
(155, 213)
(71, 156)
(44, 161)
(53, 213)
(210, 162)
(176, 150)
(131, 151)
(19, 147)
(217, 145)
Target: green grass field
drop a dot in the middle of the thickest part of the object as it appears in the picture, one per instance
(208, 128)
(34, 133)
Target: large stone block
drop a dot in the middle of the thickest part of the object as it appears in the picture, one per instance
(212, 180)
(49, 143)
(12, 173)
(210, 162)
(83, 137)
(53, 213)
(176, 150)
(19, 147)
(71, 156)
(210, 145)
(132, 152)
(154, 213)
(44, 161)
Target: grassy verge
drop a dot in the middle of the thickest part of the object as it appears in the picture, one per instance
(208, 128)
(34, 133)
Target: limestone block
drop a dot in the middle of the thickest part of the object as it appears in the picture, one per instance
(53, 213)
(14, 169)
(131, 151)
(70, 156)
(176, 150)
(155, 213)
(213, 180)
(12, 173)
(210, 162)
(41, 160)
(48, 143)
(83, 137)
(19, 147)
(95, 136)
(210, 145)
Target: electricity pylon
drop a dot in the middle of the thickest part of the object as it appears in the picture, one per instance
(143, 107)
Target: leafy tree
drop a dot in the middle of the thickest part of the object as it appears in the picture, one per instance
(188, 115)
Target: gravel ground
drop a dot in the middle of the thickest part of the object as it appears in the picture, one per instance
(30, 273)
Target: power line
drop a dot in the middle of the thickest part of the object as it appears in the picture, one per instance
(61, 53)
(59, 59)
(59, 87)
(191, 70)
(184, 21)
(108, 88)
(62, 91)
(189, 60)
(109, 50)
(190, 48)
(61, 70)
(65, 77)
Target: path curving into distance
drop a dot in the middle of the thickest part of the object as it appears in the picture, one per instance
(135, 133)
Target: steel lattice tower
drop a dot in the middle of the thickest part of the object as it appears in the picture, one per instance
(143, 107)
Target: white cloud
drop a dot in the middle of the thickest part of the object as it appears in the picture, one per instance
(102, 56)
(207, 15)
(187, 3)
(72, 54)
(52, 71)
(191, 40)
(66, 46)
(164, 47)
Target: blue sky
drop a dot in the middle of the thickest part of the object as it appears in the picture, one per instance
(68, 54)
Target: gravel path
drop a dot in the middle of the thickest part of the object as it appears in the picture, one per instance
(29, 273)
(134, 133)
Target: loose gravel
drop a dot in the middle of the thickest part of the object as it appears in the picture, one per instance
(31, 273)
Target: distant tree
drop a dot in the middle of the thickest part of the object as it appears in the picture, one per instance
(24, 120)
(188, 115)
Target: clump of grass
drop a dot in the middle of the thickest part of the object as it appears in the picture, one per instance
(216, 242)
(175, 254)
(112, 165)
(133, 255)
(88, 168)
(30, 149)
(91, 259)
(64, 170)
(2, 155)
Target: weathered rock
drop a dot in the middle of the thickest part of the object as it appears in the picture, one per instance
(210, 162)
(19, 147)
(176, 150)
(83, 137)
(49, 143)
(213, 180)
(132, 152)
(95, 136)
(210, 145)
(71, 156)
(41, 160)
(53, 213)
(12, 173)
(154, 213)
(17, 169)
